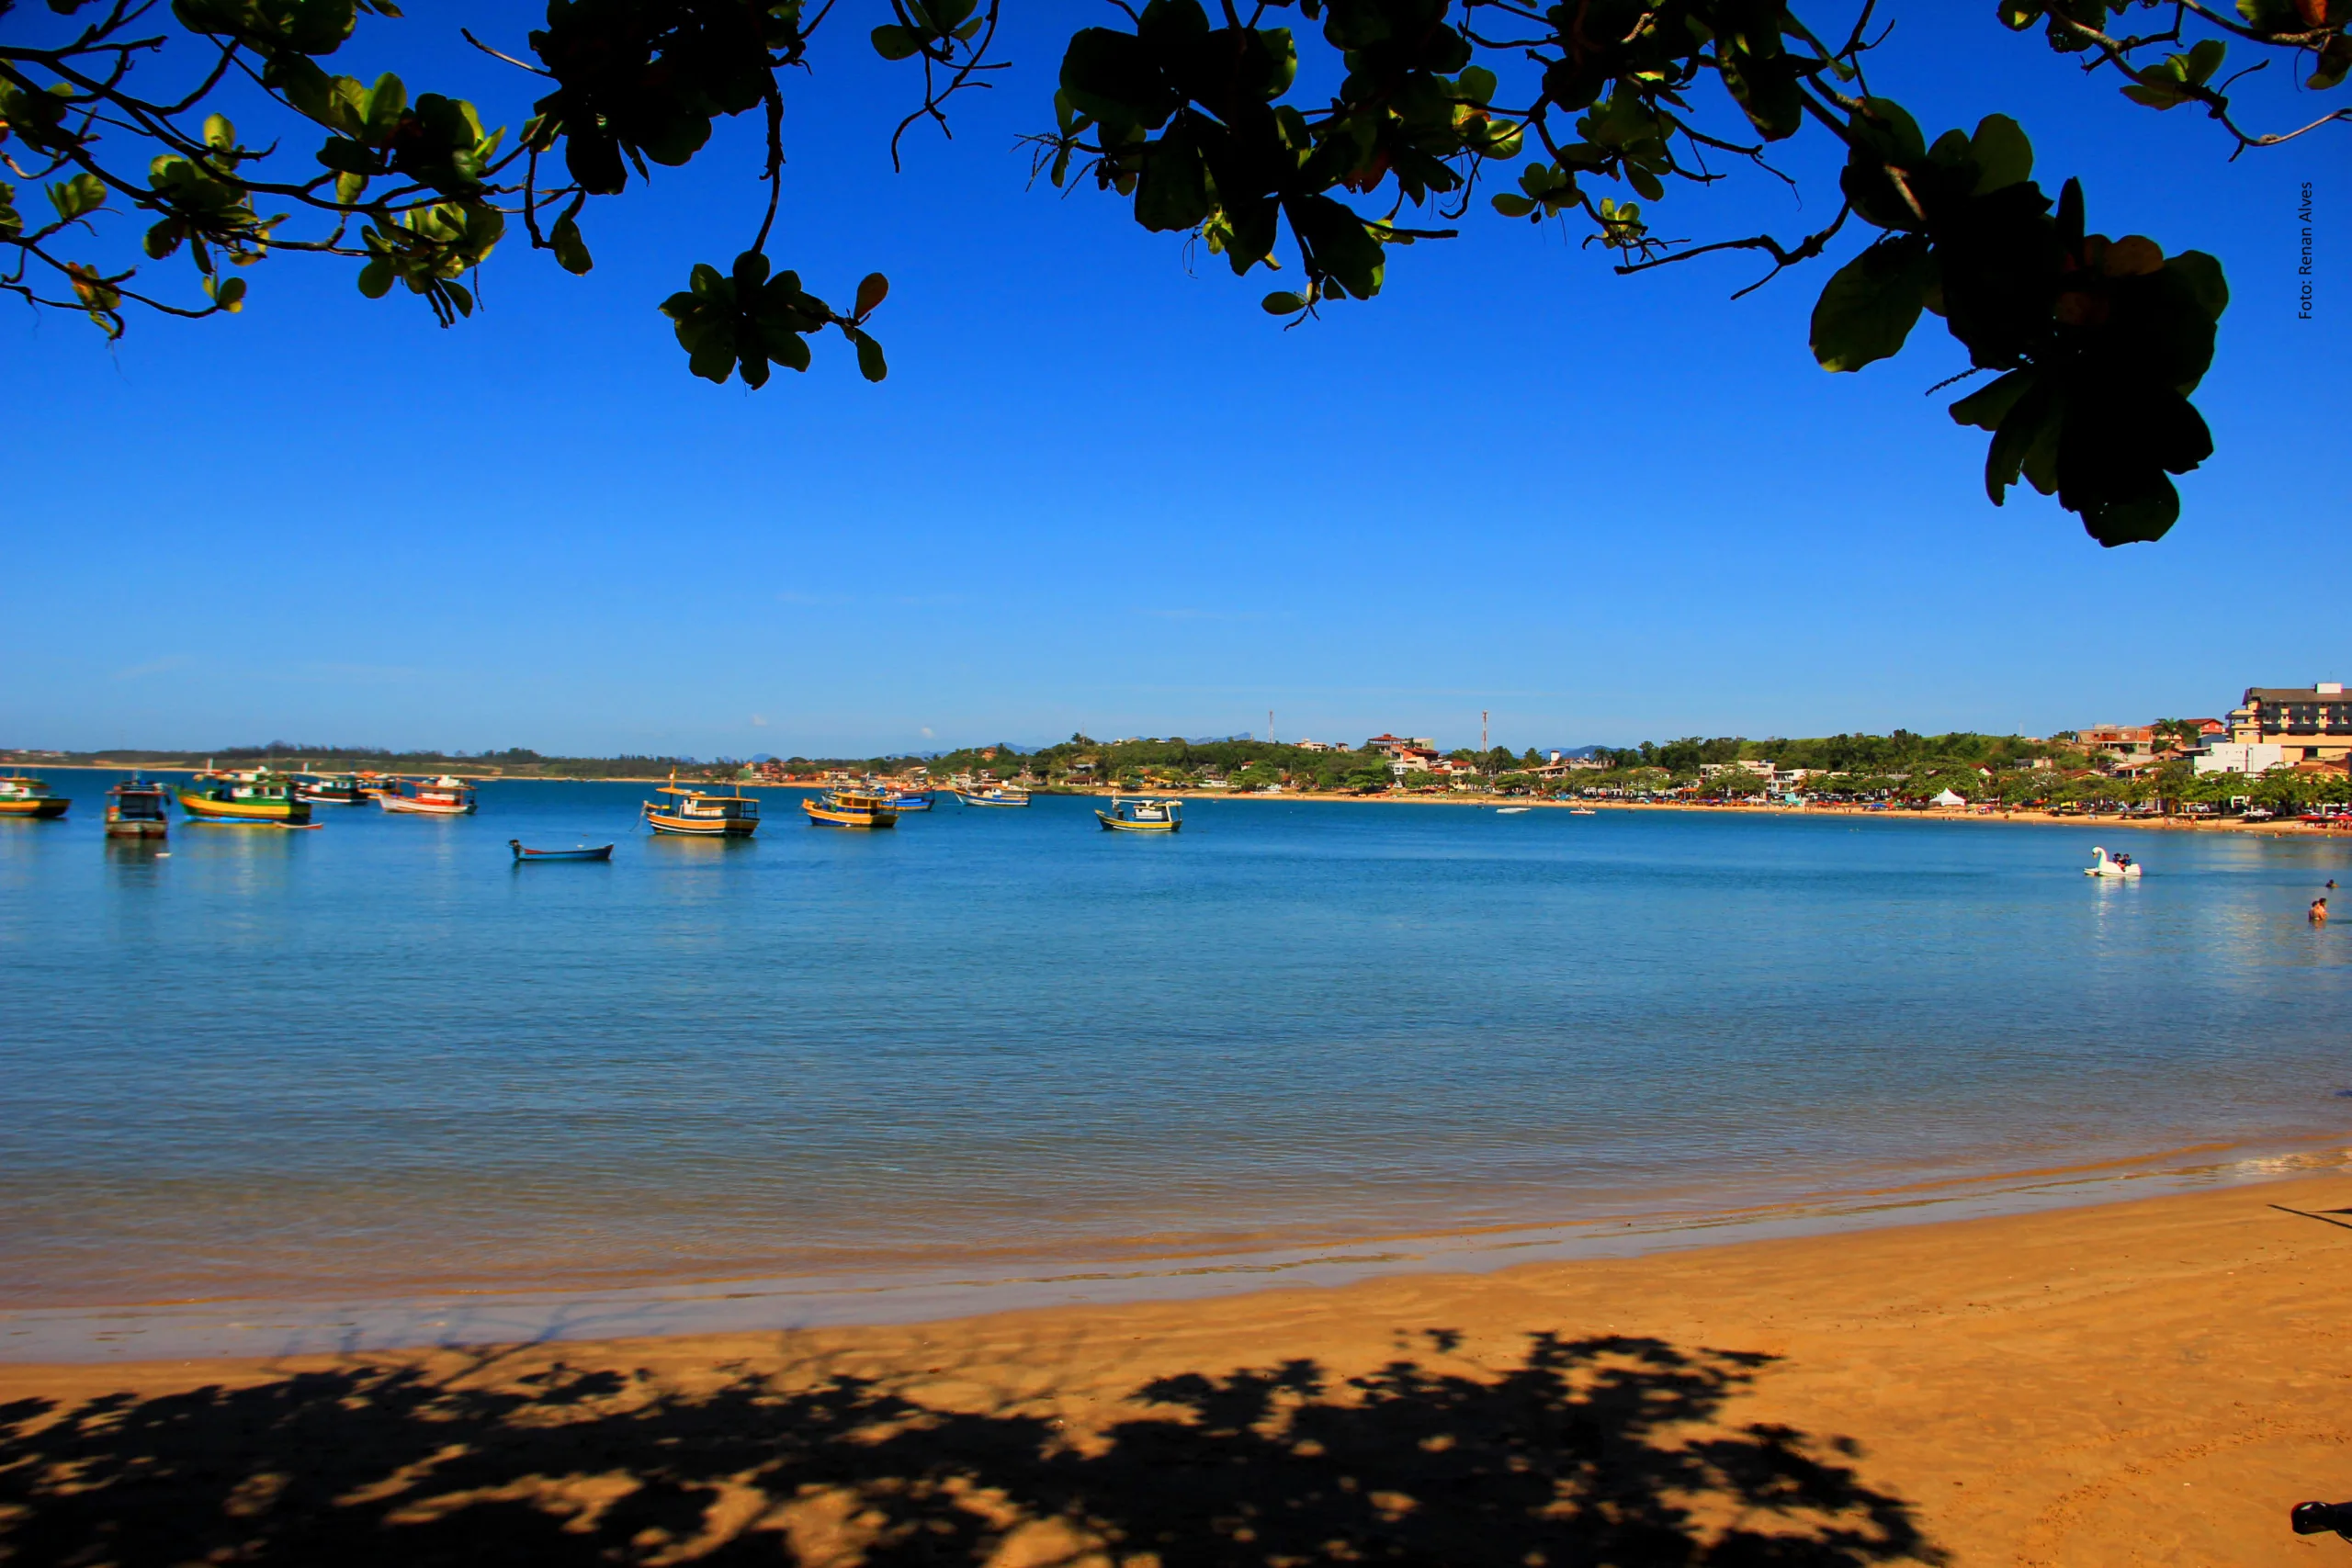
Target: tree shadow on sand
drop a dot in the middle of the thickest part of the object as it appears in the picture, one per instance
(1601, 1451)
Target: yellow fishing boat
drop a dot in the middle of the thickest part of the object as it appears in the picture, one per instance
(694, 814)
(850, 808)
(255, 795)
(21, 798)
(1143, 817)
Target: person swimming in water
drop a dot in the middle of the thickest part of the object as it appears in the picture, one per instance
(2319, 912)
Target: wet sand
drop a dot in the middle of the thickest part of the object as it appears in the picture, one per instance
(2147, 1381)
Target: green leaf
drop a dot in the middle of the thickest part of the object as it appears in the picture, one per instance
(2142, 520)
(376, 278)
(2031, 419)
(892, 41)
(1282, 304)
(2202, 274)
(1643, 181)
(1890, 131)
(1342, 248)
(1475, 85)
(570, 250)
(385, 102)
(1868, 308)
(870, 363)
(229, 294)
(2205, 59)
(218, 134)
(1512, 205)
(2003, 156)
(73, 197)
(1173, 194)
(1110, 76)
(714, 360)
(349, 188)
(1988, 406)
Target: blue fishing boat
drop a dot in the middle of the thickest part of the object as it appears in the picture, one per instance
(528, 856)
(919, 800)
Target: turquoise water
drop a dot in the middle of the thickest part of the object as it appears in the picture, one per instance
(378, 1060)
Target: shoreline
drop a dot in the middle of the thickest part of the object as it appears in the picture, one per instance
(420, 1313)
(2290, 828)
(2150, 1380)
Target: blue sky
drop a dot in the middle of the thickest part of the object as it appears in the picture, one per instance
(1102, 490)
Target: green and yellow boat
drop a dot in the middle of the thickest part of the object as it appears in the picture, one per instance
(29, 799)
(257, 796)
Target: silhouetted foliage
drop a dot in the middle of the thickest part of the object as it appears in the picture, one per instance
(1215, 128)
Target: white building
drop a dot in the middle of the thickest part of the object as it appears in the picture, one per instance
(2240, 757)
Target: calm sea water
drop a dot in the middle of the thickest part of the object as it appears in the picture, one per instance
(378, 1060)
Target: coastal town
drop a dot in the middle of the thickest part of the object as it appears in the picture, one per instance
(2282, 754)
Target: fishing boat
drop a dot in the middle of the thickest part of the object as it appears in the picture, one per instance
(1582, 811)
(532, 857)
(691, 813)
(850, 808)
(254, 797)
(1512, 810)
(1143, 816)
(329, 789)
(995, 795)
(904, 801)
(444, 796)
(31, 799)
(135, 810)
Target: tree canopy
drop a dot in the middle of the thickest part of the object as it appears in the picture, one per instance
(1199, 121)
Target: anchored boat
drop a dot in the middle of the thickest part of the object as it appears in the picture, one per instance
(135, 810)
(255, 797)
(533, 857)
(850, 808)
(909, 800)
(691, 813)
(1143, 817)
(31, 799)
(996, 794)
(444, 796)
(329, 789)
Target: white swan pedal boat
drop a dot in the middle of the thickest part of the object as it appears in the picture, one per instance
(2122, 866)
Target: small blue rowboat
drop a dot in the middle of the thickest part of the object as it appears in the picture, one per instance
(522, 855)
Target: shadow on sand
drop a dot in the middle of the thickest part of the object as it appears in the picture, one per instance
(1603, 1450)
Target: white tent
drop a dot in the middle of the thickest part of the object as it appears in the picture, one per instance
(1950, 797)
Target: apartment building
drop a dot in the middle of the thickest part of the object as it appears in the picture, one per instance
(2307, 724)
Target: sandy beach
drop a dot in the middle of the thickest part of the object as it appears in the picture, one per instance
(2154, 1381)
